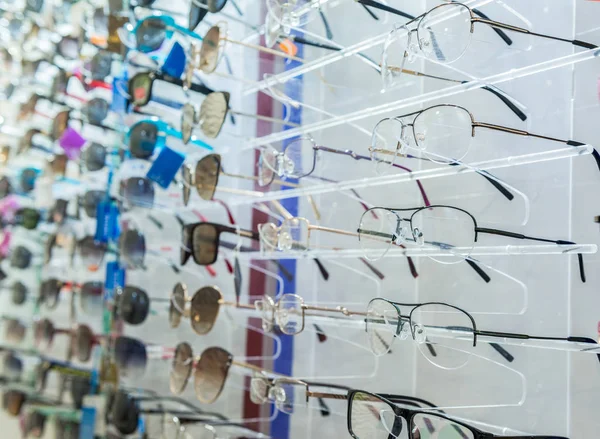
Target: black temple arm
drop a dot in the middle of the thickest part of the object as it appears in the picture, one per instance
(328, 32)
(510, 104)
(382, 7)
(594, 152)
(371, 13)
(322, 269)
(584, 340)
(479, 270)
(507, 355)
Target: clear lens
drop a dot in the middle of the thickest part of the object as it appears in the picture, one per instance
(294, 234)
(272, 23)
(444, 230)
(431, 426)
(269, 236)
(289, 314)
(386, 144)
(267, 165)
(285, 394)
(373, 418)
(377, 230)
(299, 158)
(259, 390)
(393, 58)
(444, 133)
(445, 32)
(381, 325)
(445, 335)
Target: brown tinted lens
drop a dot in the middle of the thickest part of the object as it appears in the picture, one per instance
(209, 52)
(210, 374)
(213, 112)
(58, 164)
(12, 401)
(43, 332)
(205, 309)
(177, 304)
(186, 175)
(15, 331)
(28, 107)
(181, 367)
(205, 243)
(206, 176)
(83, 343)
(188, 120)
(60, 124)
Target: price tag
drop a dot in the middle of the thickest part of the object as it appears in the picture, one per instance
(103, 221)
(165, 167)
(174, 64)
(119, 100)
(115, 278)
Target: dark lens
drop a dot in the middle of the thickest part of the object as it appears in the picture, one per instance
(130, 355)
(66, 429)
(196, 15)
(5, 187)
(14, 331)
(216, 5)
(213, 111)
(19, 293)
(49, 292)
(96, 110)
(34, 5)
(181, 368)
(58, 213)
(101, 65)
(205, 243)
(34, 424)
(91, 296)
(28, 218)
(80, 386)
(177, 304)
(92, 252)
(140, 89)
(59, 83)
(150, 34)
(132, 247)
(206, 176)
(125, 413)
(94, 157)
(12, 367)
(69, 48)
(20, 257)
(142, 140)
(237, 278)
(28, 177)
(43, 332)
(139, 191)
(133, 305)
(59, 125)
(12, 401)
(205, 309)
(83, 343)
(41, 375)
(210, 374)
(90, 202)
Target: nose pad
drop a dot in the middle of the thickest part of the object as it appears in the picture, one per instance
(285, 241)
(285, 166)
(426, 45)
(419, 333)
(413, 49)
(405, 331)
(421, 140)
(418, 235)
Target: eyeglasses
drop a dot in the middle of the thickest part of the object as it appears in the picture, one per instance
(14, 400)
(179, 427)
(90, 294)
(146, 135)
(210, 368)
(445, 334)
(443, 133)
(151, 32)
(444, 33)
(45, 366)
(446, 229)
(212, 114)
(140, 86)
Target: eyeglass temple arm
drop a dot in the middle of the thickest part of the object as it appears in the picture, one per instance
(497, 24)
(573, 143)
(532, 238)
(264, 49)
(264, 118)
(256, 368)
(500, 32)
(198, 88)
(386, 8)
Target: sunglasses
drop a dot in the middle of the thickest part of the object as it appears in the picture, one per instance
(140, 86)
(132, 304)
(210, 368)
(82, 337)
(151, 32)
(90, 293)
(145, 136)
(44, 367)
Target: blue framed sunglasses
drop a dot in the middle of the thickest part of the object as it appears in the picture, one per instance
(144, 136)
(152, 31)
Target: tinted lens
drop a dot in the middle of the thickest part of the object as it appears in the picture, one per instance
(205, 309)
(66, 429)
(4, 154)
(34, 5)
(12, 401)
(130, 355)
(370, 417)
(94, 157)
(213, 112)
(96, 110)
(101, 65)
(58, 212)
(210, 373)
(237, 278)
(20, 257)
(139, 191)
(177, 304)
(49, 292)
(205, 243)
(216, 5)
(91, 251)
(196, 15)
(142, 140)
(90, 202)
(28, 218)
(59, 125)
(150, 34)
(181, 368)
(140, 89)
(59, 83)
(58, 164)
(83, 343)
(132, 246)
(80, 386)
(91, 296)
(188, 120)
(28, 107)
(209, 52)
(43, 332)
(12, 367)
(5, 187)
(19, 293)
(125, 413)
(14, 331)
(206, 176)
(27, 179)
(133, 305)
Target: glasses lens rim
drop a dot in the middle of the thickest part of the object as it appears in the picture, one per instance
(198, 258)
(372, 396)
(150, 24)
(200, 172)
(221, 361)
(204, 309)
(178, 379)
(179, 293)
